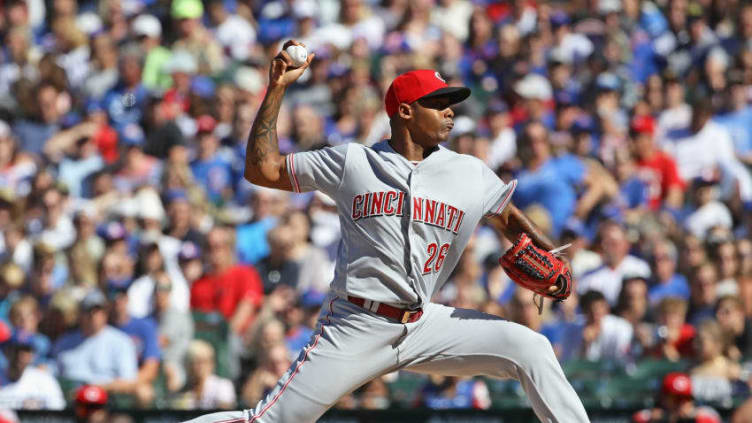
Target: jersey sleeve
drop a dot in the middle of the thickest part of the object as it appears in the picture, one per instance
(497, 193)
(317, 170)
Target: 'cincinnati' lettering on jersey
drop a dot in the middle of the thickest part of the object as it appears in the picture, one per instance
(390, 203)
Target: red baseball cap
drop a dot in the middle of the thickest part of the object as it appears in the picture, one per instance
(91, 395)
(205, 123)
(678, 384)
(643, 124)
(422, 83)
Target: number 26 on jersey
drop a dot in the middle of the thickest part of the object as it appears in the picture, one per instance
(436, 256)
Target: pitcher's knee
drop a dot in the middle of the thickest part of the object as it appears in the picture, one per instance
(536, 349)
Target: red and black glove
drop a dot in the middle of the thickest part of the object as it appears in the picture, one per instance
(537, 269)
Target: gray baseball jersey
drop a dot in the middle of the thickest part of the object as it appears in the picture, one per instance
(404, 226)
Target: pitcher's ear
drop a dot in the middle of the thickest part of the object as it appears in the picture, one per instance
(405, 111)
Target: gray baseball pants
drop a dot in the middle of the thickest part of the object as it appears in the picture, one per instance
(352, 346)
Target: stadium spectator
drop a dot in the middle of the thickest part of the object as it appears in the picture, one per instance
(96, 353)
(451, 392)
(674, 337)
(234, 290)
(617, 263)
(714, 372)
(677, 404)
(25, 316)
(656, 167)
(735, 325)
(273, 363)
(600, 336)
(175, 330)
(143, 333)
(703, 293)
(25, 386)
(267, 206)
(316, 271)
(668, 282)
(195, 38)
(540, 180)
(205, 390)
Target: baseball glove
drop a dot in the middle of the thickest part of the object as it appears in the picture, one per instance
(537, 269)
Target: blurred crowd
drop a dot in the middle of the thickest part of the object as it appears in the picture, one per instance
(135, 258)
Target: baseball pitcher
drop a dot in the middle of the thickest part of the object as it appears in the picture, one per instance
(407, 207)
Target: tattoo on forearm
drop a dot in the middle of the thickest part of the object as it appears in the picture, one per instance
(262, 141)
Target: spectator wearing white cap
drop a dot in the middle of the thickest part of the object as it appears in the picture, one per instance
(536, 91)
(148, 30)
(181, 67)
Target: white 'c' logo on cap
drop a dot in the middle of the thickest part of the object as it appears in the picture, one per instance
(439, 77)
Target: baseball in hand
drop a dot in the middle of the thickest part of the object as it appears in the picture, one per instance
(298, 54)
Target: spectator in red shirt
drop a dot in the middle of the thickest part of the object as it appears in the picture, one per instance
(657, 168)
(675, 335)
(232, 289)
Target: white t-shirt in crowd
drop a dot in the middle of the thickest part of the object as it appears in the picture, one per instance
(612, 343)
(35, 390)
(608, 281)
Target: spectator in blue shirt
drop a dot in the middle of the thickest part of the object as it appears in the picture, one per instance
(738, 120)
(143, 333)
(96, 353)
(33, 132)
(267, 205)
(553, 182)
(448, 392)
(668, 283)
(210, 169)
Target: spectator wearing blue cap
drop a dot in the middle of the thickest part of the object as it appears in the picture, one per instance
(25, 386)
(503, 138)
(210, 168)
(143, 332)
(95, 352)
(190, 261)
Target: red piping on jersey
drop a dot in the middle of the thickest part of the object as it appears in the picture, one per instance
(506, 199)
(305, 356)
(232, 421)
(296, 184)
